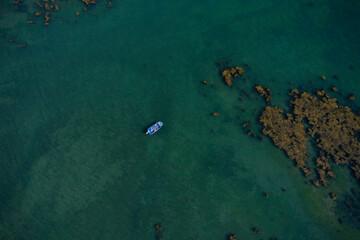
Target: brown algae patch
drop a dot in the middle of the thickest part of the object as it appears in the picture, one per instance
(230, 73)
(333, 126)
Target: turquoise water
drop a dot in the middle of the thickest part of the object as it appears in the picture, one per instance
(75, 162)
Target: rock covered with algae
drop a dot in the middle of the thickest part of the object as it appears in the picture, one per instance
(230, 73)
(333, 126)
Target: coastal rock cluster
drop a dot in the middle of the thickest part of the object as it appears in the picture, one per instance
(230, 73)
(334, 127)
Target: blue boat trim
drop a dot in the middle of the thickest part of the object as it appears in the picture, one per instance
(154, 128)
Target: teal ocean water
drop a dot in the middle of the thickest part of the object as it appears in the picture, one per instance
(75, 102)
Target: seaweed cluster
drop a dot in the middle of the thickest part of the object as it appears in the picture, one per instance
(88, 2)
(230, 73)
(287, 134)
(19, 5)
(264, 92)
(231, 236)
(333, 196)
(249, 132)
(158, 231)
(333, 126)
(49, 7)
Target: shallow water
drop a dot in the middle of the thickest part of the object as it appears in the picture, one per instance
(75, 162)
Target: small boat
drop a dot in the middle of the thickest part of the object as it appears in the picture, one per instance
(154, 128)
